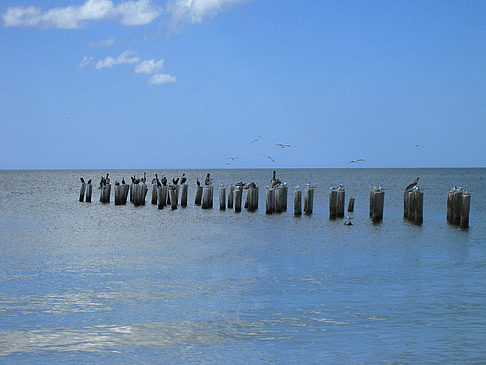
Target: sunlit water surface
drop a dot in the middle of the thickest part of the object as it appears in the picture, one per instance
(96, 282)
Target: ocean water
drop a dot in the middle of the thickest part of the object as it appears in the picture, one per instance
(99, 283)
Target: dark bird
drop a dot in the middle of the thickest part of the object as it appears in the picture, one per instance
(89, 181)
(144, 179)
(256, 139)
(175, 181)
(198, 183)
(207, 181)
(271, 159)
(123, 181)
(283, 145)
(157, 180)
(82, 180)
(164, 180)
(117, 182)
(133, 179)
(409, 186)
(355, 161)
(183, 178)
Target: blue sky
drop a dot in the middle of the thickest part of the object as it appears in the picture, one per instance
(190, 83)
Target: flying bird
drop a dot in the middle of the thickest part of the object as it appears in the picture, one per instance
(256, 139)
(418, 145)
(269, 158)
(357, 160)
(283, 145)
(233, 158)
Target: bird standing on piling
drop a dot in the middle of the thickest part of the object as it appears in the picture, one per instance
(175, 181)
(82, 180)
(183, 178)
(409, 186)
(207, 181)
(198, 183)
(123, 180)
(164, 180)
(89, 181)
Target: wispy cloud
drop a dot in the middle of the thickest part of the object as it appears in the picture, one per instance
(125, 57)
(195, 11)
(149, 66)
(133, 12)
(161, 79)
(141, 66)
(103, 43)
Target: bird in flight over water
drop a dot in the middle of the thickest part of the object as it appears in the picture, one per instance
(418, 145)
(233, 158)
(283, 145)
(256, 139)
(357, 160)
(269, 158)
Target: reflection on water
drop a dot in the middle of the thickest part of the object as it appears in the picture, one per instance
(94, 283)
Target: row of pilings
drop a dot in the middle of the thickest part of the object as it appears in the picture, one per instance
(276, 197)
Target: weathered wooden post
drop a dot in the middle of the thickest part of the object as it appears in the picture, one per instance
(269, 200)
(184, 189)
(419, 206)
(351, 205)
(136, 193)
(145, 190)
(118, 193)
(372, 200)
(284, 196)
(247, 198)
(332, 203)
(238, 192)
(162, 197)
(199, 194)
(222, 198)
(466, 202)
(308, 199)
(105, 193)
(378, 205)
(173, 198)
(125, 192)
(230, 196)
(405, 204)
(177, 188)
(340, 198)
(297, 202)
(278, 199)
(411, 204)
(132, 193)
(89, 191)
(207, 197)
(82, 191)
(154, 194)
(456, 213)
(450, 204)
(252, 194)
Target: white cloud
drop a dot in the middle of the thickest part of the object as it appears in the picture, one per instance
(126, 57)
(160, 79)
(195, 11)
(149, 66)
(86, 61)
(136, 12)
(103, 43)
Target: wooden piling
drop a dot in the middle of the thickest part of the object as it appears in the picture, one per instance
(105, 193)
(466, 202)
(252, 194)
(144, 193)
(199, 194)
(269, 203)
(411, 204)
(222, 198)
(351, 205)
(162, 197)
(284, 197)
(184, 190)
(308, 200)
(419, 206)
(118, 194)
(154, 194)
(247, 197)
(457, 207)
(278, 199)
(297, 202)
(173, 198)
(177, 188)
(378, 205)
(405, 204)
(207, 197)
(230, 196)
(89, 191)
(332, 203)
(82, 191)
(238, 192)
(450, 204)
(132, 193)
(125, 188)
(340, 199)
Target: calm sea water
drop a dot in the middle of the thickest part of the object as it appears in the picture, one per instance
(96, 282)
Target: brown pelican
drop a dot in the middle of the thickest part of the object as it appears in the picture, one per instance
(123, 181)
(183, 178)
(409, 186)
(175, 181)
(82, 180)
(198, 183)
(89, 181)
(207, 181)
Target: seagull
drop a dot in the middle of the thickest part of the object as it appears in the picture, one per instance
(256, 139)
(357, 160)
(269, 158)
(409, 186)
(283, 145)
(418, 145)
(233, 158)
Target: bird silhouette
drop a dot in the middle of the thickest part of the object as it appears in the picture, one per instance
(355, 161)
(283, 145)
(270, 158)
(256, 139)
(409, 186)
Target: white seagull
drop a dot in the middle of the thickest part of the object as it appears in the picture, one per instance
(283, 145)
(357, 160)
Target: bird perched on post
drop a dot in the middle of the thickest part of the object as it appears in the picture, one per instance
(409, 186)
(183, 178)
(82, 180)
